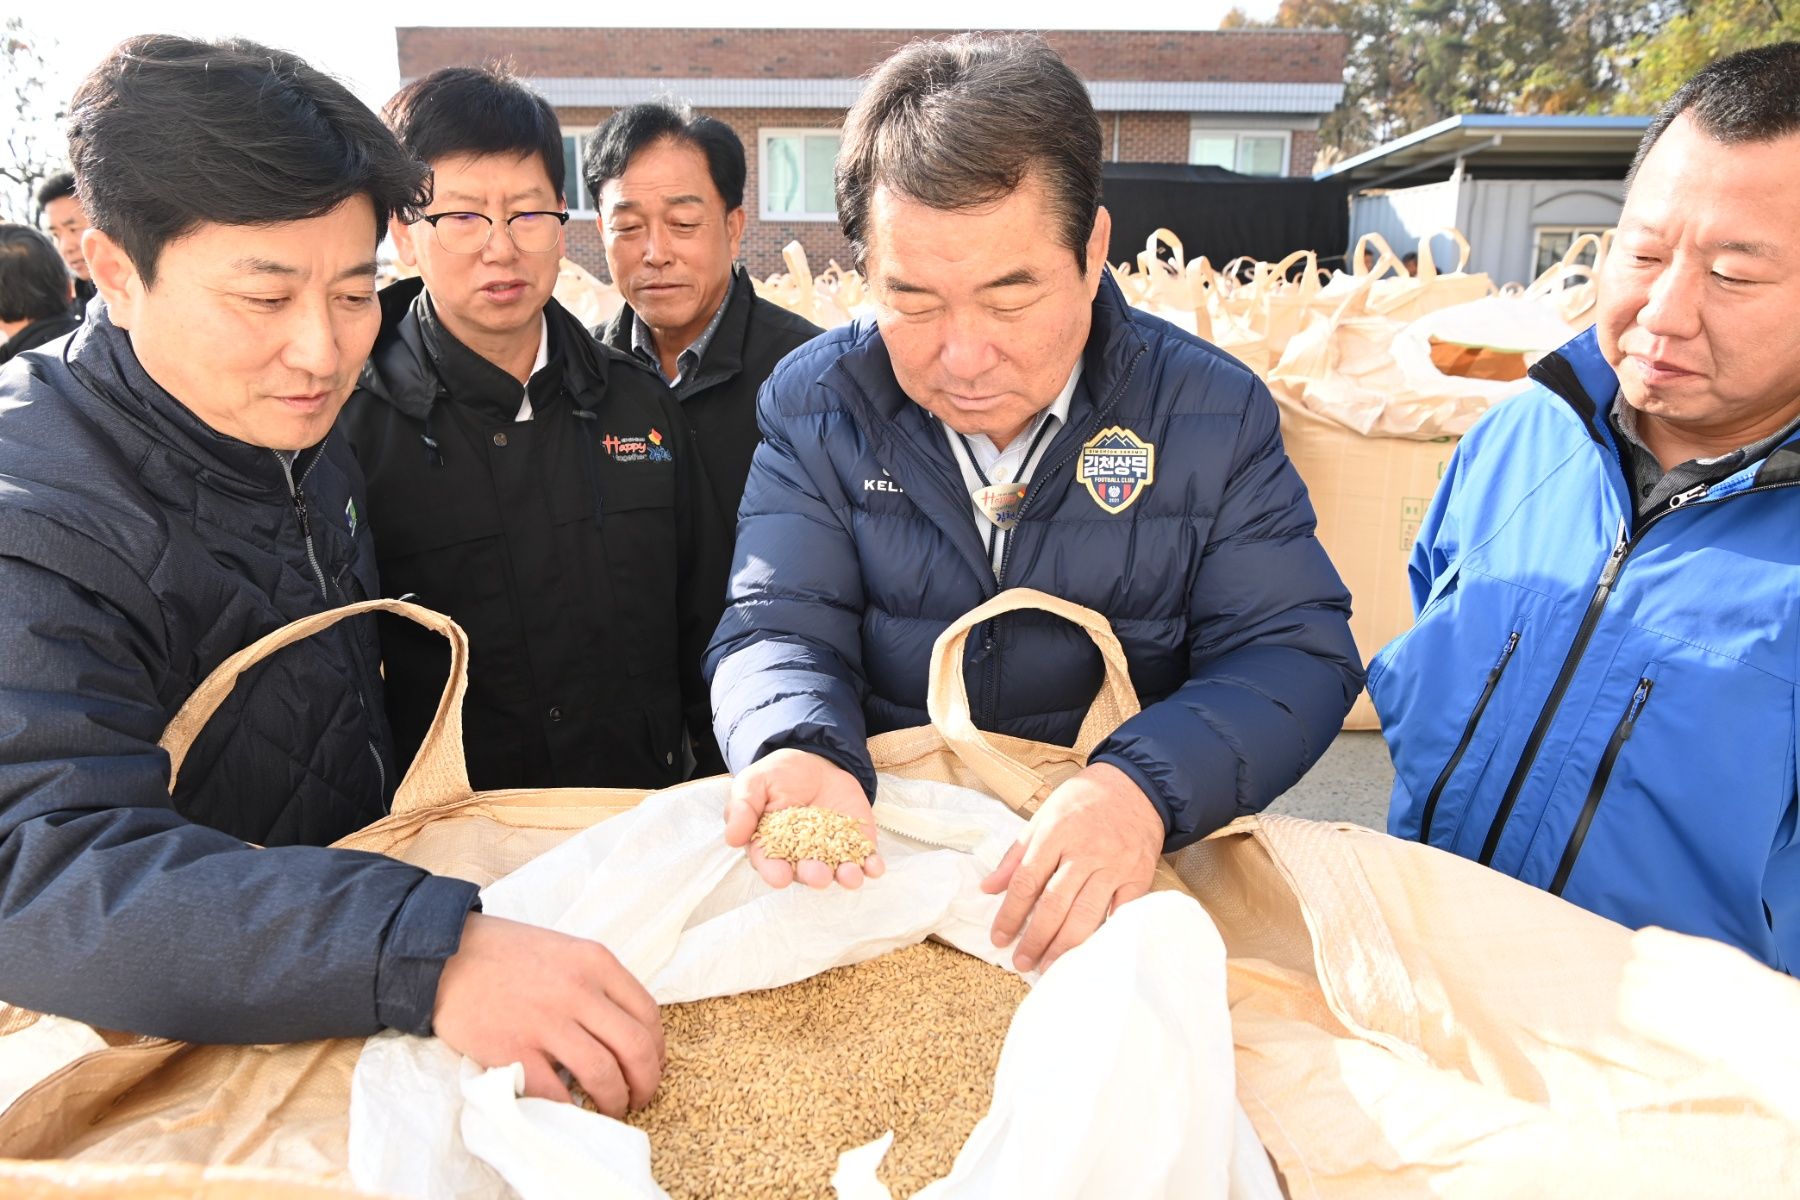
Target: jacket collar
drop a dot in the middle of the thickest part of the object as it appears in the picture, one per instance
(403, 371)
(101, 356)
(724, 356)
(1579, 374)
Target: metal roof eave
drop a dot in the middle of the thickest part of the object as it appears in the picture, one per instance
(1477, 132)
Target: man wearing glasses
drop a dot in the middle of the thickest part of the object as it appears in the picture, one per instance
(534, 485)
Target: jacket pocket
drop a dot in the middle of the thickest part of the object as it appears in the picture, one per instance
(1608, 758)
(1491, 685)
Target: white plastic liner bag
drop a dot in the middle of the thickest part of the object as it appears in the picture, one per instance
(1116, 1078)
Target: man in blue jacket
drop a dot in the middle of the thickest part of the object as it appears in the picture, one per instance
(1599, 696)
(1007, 421)
(170, 491)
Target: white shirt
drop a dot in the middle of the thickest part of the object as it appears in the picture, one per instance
(543, 358)
(1013, 464)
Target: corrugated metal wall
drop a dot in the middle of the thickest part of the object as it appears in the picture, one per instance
(1500, 217)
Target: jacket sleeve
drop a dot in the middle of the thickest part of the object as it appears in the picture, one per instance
(705, 550)
(117, 911)
(786, 663)
(1272, 666)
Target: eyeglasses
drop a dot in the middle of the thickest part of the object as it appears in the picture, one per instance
(468, 232)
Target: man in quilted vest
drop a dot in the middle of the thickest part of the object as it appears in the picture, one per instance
(1007, 421)
(1599, 696)
(171, 491)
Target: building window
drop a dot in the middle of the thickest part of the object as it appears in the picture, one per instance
(1553, 241)
(795, 173)
(576, 193)
(1248, 152)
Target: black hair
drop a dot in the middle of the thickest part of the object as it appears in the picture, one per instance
(476, 110)
(1750, 96)
(629, 130)
(34, 283)
(168, 133)
(60, 186)
(961, 122)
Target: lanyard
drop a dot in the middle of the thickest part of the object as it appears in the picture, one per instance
(1001, 503)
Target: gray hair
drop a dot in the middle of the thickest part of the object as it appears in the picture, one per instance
(962, 122)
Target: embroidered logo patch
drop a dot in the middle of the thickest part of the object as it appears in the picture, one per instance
(1116, 467)
(636, 448)
(350, 515)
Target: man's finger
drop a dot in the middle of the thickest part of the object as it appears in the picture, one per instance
(1048, 914)
(997, 882)
(635, 1051)
(1085, 915)
(1033, 871)
(591, 1062)
(744, 807)
(849, 876)
(776, 872)
(813, 873)
(874, 866)
(634, 999)
(1126, 894)
(541, 1079)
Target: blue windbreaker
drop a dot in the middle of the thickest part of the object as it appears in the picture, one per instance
(1604, 712)
(856, 547)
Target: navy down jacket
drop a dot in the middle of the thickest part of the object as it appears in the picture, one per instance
(856, 547)
(139, 549)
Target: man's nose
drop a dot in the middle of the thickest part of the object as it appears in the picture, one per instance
(967, 352)
(312, 342)
(1671, 307)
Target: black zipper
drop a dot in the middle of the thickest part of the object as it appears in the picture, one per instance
(1468, 735)
(296, 488)
(1620, 736)
(1583, 633)
(990, 642)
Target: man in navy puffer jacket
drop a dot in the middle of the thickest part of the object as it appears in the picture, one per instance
(1007, 421)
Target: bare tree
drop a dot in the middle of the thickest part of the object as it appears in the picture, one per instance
(34, 142)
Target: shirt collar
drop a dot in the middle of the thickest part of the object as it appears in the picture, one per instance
(643, 343)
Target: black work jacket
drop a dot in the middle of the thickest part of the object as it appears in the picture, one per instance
(40, 332)
(579, 550)
(138, 550)
(721, 412)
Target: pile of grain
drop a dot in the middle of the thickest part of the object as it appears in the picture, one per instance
(795, 834)
(764, 1090)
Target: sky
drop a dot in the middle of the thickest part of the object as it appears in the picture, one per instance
(355, 41)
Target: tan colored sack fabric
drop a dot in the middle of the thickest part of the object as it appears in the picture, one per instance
(286, 1108)
(1409, 1023)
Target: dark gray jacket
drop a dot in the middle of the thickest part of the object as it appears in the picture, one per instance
(720, 405)
(138, 549)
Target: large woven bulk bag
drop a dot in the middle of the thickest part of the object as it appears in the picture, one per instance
(130, 1113)
(1410, 1023)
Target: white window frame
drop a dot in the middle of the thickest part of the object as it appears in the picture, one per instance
(574, 190)
(1239, 131)
(1537, 242)
(762, 176)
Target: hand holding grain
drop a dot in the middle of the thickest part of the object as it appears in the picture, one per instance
(796, 779)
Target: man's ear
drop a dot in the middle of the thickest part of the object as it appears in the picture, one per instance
(402, 233)
(114, 275)
(1099, 241)
(734, 229)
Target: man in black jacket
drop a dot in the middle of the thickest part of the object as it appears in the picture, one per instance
(671, 191)
(66, 221)
(173, 492)
(34, 292)
(527, 481)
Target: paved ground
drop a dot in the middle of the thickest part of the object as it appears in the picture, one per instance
(1350, 782)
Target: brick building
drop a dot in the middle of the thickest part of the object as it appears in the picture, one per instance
(1249, 100)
